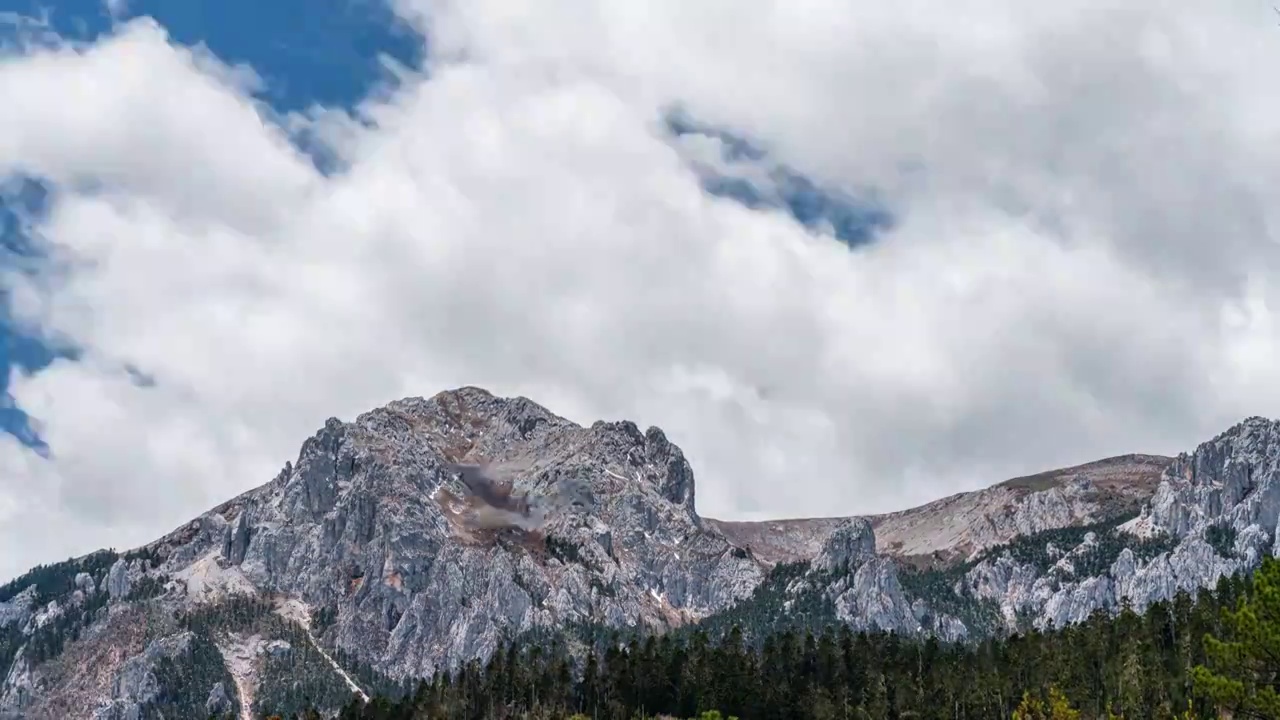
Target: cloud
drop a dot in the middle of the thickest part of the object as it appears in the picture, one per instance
(732, 167)
(22, 205)
(1078, 264)
(117, 9)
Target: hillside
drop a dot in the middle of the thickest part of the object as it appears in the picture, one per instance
(960, 525)
(433, 532)
(1178, 662)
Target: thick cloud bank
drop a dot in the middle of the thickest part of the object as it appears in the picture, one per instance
(1079, 262)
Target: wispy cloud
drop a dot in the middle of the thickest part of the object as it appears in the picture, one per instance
(734, 167)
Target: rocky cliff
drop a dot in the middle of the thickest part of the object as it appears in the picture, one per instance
(1044, 551)
(1214, 514)
(426, 533)
(375, 545)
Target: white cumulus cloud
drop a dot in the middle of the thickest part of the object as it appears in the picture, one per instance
(1079, 266)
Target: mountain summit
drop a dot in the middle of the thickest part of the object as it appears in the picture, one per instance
(427, 533)
(385, 540)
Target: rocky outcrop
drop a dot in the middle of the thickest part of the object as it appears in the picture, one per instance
(850, 545)
(118, 582)
(17, 610)
(219, 702)
(1214, 513)
(1216, 509)
(136, 684)
(18, 689)
(367, 524)
(872, 599)
(862, 588)
(964, 525)
(1231, 481)
(428, 532)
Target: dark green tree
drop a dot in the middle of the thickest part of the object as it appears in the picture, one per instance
(1242, 674)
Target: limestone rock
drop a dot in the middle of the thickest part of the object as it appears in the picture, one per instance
(372, 542)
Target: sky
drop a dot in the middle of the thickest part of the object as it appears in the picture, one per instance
(850, 256)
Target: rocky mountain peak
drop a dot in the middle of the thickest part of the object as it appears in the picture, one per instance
(1231, 481)
(463, 423)
(470, 425)
(851, 544)
(429, 530)
(426, 533)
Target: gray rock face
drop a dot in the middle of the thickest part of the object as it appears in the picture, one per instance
(874, 600)
(850, 545)
(1231, 480)
(863, 588)
(1214, 513)
(84, 583)
(370, 522)
(18, 609)
(219, 702)
(1229, 486)
(18, 688)
(136, 683)
(118, 582)
(372, 543)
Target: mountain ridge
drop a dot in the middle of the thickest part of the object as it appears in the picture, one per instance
(922, 534)
(375, 555)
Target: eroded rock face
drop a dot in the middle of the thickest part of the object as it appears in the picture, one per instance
(17, 610)
(874, 600)
(363, 523)
(136, 684)
(860, 587)
(368, 544)
(219, 702)
(868, 595)
(1228, 488)
(1234, 480)
(1214, 513)
(18, 689)
(118, 581)
(850, 545)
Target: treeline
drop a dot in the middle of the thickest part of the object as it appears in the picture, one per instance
(1092, 550)
(292, 674)
(1208, 658)
(52, 582)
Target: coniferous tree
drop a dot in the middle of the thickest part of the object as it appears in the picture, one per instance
(1243, 670)
(1134, 666)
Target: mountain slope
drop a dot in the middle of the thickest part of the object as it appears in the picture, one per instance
(426, 533)
(1214, 514)
(368, 537)
(960, 525)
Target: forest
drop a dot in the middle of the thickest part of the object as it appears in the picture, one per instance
(1213, 656)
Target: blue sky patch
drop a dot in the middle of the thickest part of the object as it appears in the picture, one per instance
(855, 221)
(307, 52)
(22, 201)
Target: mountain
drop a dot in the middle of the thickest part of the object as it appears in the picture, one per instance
(365, 545)
(966, 523)
(432, 531)
(1076, 541)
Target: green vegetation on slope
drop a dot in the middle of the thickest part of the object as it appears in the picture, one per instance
(293, 674)
(184, 684)
(771, 608)
(1211, 657)
(52, 582)
(794, 598)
